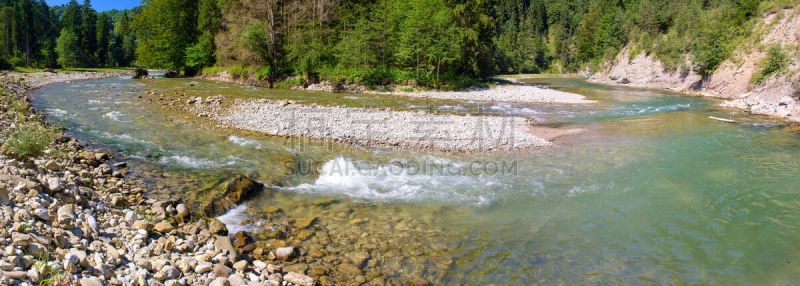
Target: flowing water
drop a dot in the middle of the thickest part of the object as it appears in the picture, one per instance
(652, 192)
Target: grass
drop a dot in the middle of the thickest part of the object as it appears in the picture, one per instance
(30, 139)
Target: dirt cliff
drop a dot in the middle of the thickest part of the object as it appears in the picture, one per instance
(778, 95)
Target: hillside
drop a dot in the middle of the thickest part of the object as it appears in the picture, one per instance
(761, 76)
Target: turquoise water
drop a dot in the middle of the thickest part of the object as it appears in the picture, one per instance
(652, 193)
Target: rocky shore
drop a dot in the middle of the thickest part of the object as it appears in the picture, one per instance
(70, 216)
(377, 127)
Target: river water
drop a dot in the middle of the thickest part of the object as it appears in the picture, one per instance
(652, 192)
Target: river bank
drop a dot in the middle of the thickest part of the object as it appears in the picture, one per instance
(70, 216)
(777, 95)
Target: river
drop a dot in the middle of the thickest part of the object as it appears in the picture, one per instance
(652, 192)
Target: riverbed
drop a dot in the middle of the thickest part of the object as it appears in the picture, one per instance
(652, 192)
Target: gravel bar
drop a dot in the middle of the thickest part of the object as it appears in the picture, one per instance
(521, 93)
(383, 127)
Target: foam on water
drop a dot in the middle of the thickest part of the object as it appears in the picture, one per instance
(194, 162)
(244, 142)
(407, 180)
(233, 219)
(114, 115)
(57, 112)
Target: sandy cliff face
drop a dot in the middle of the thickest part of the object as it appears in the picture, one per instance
(777, 96)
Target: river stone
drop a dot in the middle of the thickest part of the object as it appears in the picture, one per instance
(71, 263)
(284, 253)
(237, 280)
(217, 227)
(19, 275)
(163, 227)
(21, 239)
(359, 259)
(305, 222)
(237, 190)
(298, 279)
(51, 165)
(223, 243)
(167, 272)
(240, 265)
(222, 270)
(140, 73)
(143, 224)
(54, 184)
(90, 281)
(220, 281)
(182, 212)
(203, 267)
(66, 214)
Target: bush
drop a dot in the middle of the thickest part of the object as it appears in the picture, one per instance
(263, 73)
(4, 64)
(775, 62)
(239, 71)
(30, 139)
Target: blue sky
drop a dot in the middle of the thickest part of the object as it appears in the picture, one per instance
(102, 5)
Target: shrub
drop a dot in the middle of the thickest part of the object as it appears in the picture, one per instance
(30, 139)
(5, 64)
(775, 62)
(239, 71)
(263, 73)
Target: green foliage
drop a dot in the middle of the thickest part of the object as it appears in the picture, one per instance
(775, 62)
(263, 73)
(30, 139)
(69, 49)
(164, 30)
(5, 64)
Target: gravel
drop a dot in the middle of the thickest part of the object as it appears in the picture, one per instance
(383, 127)
(521, 93)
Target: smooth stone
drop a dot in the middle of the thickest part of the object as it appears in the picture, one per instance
(220, 281)
(19, 275)
(223, 243)
(54, 184)
(167, 272)
(163, 227)
(42, 214)
(21, 239)
(359, 259)
(143, 224)
(298, 279)
(236, 280)
(66, 214)
(284, 253)
(240, 265)
(90, 281)
(222, 270)
(203, 267)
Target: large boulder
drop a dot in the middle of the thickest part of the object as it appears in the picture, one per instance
(172, 74)
(140, 73)
(237, 190)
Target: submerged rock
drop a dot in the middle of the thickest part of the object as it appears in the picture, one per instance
(239, 189)
(140, 73)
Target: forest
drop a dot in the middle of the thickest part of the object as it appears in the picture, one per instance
(435, 43)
